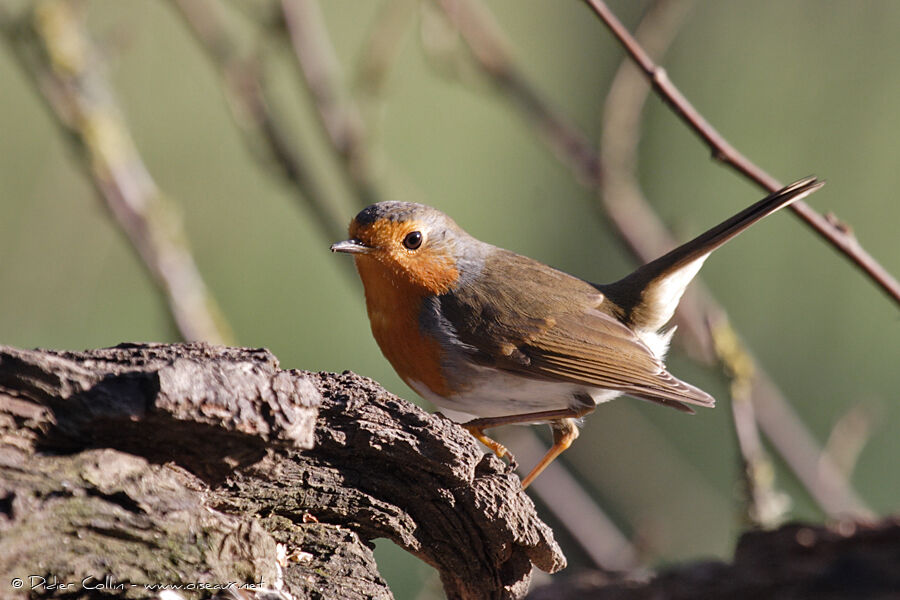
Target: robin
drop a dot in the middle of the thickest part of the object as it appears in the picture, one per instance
(486, 333)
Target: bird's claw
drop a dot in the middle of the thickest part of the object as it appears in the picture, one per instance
(499, 450)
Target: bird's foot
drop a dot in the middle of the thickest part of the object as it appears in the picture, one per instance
(496, 447)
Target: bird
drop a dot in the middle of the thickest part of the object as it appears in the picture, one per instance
(495, 338)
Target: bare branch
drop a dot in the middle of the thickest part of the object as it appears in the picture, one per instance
(838, 235)
(482, 35)
(766, 506)
(338, 114)
(55, 51)
(382, 44)
(255, 116)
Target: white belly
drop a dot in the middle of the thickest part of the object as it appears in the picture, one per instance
(493, 393)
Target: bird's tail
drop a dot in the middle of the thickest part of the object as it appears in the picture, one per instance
(650, 294)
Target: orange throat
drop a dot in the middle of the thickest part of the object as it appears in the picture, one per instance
(394, 306)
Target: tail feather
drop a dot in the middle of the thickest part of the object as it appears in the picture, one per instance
(650, 294)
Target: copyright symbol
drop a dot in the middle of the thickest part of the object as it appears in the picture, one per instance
(16, 583)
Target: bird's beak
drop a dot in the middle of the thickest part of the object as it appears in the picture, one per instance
(351, 246)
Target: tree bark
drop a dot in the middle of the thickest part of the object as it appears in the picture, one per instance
(201, 466)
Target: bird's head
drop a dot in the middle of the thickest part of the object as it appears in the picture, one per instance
(410, 245)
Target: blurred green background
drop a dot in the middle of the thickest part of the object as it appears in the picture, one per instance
(801, 87)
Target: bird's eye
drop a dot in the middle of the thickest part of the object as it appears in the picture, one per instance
(412, 240)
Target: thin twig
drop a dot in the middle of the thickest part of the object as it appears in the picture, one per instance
(483, 37)
(338, 115)
(837, 234)
(383, 45)
(255, 116)
(699, 314)
(56, 52)
(766, 506)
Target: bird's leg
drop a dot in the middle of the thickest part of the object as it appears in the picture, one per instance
(562, 422)
(564, 433)
(477, 426)
(495, 446)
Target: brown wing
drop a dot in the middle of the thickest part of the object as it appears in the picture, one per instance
(524, 317)
(597, 350)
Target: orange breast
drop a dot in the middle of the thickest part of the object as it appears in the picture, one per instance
(394, 307)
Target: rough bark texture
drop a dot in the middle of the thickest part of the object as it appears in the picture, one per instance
(192, 464)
